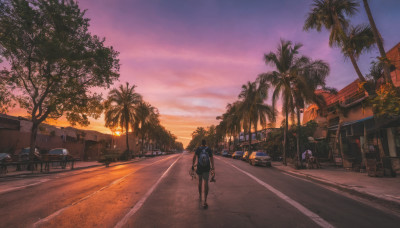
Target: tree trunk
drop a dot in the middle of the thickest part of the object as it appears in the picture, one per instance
(230, 141)
(285, 137)
(298, 138)
(32, 147)
(336, 142)
(379, 43)
(127, 140)
(365, 148)
(142, 143)
(351, 56)
(355, 65)
(234, 144)
(249, 136)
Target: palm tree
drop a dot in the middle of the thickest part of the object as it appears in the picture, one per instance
(287, 65)
(146, 117)
(233, 119)
(120, 108)
(331, 14)
(359, 39)
(379, 43)
(253, 109)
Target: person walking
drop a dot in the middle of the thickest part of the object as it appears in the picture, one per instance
(204, 157)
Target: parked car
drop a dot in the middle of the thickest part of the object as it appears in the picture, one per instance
(24, 154)
(62, 152)
(245, 156)
(237, 155)
(149, 154)
(4, 157)
(260, 158)
(225, 153)
(222, 152)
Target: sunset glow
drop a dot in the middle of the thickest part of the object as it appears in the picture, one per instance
(190, 58)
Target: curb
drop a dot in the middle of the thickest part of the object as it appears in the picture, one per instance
(65, 170)
(364, 195)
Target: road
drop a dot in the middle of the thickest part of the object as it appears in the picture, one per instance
(159, 192)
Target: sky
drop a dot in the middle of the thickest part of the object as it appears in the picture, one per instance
(189, 58)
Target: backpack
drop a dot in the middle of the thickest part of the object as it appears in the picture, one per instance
(204, 158)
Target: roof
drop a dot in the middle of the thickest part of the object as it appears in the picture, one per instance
(345, 93)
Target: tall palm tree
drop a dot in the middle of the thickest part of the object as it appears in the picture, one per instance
(146, 116)
(287, 64)
(379, 43)
(233, 119)
(253, 109)
(310, 76)
(358, 39)
(230, 122)
(120, 108)
(331, 14)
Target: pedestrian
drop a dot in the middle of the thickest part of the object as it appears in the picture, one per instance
(204, 158)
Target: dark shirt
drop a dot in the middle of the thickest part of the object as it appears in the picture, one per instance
(201, 169)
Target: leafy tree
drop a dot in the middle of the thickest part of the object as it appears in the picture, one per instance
(120, 108)
(6, 97)
(54, 60)
(386, 103)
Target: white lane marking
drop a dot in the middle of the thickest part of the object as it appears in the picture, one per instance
(48, 218)
(318, 220)
(61, 175)
(22, 187)
(140, 203)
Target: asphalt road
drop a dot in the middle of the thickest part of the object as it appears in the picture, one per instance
(159, 192)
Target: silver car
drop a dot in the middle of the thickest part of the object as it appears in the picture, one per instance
(260, 158)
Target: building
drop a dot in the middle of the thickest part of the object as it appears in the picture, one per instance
(394, 57)
(84, 144)
(349, 119)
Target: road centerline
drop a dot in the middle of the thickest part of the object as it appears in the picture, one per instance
(314, 217)
(140, 203)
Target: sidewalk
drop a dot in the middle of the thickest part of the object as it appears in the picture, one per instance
(383, 189)
(57, 169)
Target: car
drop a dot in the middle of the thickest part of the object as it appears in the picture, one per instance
(4, 157)
(149, 154)
(24, 154)
(222, 152)
(225, 153)
(260, 158)
(157, 152)
(237, 155)
(245, 156)
(62, 152)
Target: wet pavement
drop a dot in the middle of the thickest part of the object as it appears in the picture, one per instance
(158, 192)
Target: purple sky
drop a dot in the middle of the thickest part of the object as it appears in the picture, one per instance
(189, 58)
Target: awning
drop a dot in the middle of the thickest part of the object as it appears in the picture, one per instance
(350, 123)
(357, 121)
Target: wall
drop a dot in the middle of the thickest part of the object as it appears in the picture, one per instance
(394, 56)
